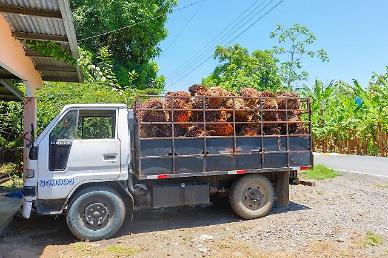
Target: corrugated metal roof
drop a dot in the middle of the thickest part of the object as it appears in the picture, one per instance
(50, 5)
(9, 92)
(32, 20)
(34, 24)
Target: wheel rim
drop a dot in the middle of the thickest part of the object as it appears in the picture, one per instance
(96, 215)
(253, 198)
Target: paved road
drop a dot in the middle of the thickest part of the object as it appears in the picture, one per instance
(376, 166)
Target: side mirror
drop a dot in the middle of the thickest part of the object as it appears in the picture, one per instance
(33, 154)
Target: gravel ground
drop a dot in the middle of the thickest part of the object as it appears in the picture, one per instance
(331, 219)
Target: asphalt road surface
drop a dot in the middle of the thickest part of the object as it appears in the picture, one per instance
(375, 166)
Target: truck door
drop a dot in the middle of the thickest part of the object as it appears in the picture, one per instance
(82, 147)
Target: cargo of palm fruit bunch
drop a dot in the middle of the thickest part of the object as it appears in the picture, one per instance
(217, 105)
(268, 101)
(289, 101)
(223, 127)
(197, 102)
(217, 98)
(179, 100)
(152, 130)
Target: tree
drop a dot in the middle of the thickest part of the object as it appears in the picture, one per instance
(293, 44)
(239, 69)
(140, 28)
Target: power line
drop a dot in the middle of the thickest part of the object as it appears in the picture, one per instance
(230, 33)
(242, 32)
(184, 27)
(142, 21)
(253, 13)
(213, 40)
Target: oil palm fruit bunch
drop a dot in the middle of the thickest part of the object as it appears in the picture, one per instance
(289, 101)
(249, 130)
(179, 100)
(195, 131)
(215, 97)
(152, 115)
(223, 128)
(197, 102)
(197, 90)
(268, 101)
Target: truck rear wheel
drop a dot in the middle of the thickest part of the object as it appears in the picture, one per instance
(251, 196)
(95, 213)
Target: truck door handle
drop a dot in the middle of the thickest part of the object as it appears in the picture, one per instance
(110, 156)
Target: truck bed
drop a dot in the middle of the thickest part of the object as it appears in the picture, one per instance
(172, 157)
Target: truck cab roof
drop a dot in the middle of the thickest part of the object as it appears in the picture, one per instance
(95, 106)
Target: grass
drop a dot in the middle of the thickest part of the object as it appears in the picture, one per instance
(81, 247)
(320, 172)
(120, 250)
(373, 239)
(382, 186)
(113, 250)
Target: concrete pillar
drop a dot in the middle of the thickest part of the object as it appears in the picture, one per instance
(282, 189)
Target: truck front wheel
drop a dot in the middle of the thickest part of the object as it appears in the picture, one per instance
(95, 213)
(251, 196)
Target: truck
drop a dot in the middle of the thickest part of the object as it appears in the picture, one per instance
(93, 165)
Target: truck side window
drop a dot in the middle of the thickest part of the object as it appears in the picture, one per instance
(97, 124)
(66, 128)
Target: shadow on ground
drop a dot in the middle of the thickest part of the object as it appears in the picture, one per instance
(35, 234)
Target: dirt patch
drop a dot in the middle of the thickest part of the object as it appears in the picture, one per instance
(336, 218)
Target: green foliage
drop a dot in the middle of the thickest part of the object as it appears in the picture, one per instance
(11, 131)
(8, 168)
(320, 172)
(238, 68)
(52, 49)
(98, 68)
(54, 96)
(337, 118)
(134, 47)
(293, 45)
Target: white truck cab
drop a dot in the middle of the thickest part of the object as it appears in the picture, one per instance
(84, 143)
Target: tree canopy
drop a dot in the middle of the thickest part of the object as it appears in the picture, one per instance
(238, 68)
(135, 27)
(294, 44)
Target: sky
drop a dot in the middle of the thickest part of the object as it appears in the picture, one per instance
(353, 32)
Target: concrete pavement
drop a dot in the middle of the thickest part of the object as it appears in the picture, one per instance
(375, 166)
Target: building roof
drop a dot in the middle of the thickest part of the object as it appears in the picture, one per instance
(9, 92)
(43, 20)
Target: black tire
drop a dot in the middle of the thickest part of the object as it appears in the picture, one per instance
(251, 196)
(95, 213)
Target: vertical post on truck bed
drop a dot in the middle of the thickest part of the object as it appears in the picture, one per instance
(282, 189)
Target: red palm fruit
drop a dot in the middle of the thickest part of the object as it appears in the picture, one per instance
(179, 100)
(252, 94)
(197, 90)
(215, 97)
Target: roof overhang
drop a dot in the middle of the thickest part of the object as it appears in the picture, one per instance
(38, 20)
(9, 92)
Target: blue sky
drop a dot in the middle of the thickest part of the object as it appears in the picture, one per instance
(353, 32)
